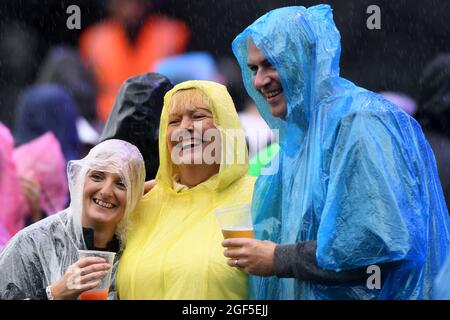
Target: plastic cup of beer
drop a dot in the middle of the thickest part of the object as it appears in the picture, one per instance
(101, 291)
(235, 221)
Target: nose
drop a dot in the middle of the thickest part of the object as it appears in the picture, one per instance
(106, 190)
(261, 79)
(187, 123)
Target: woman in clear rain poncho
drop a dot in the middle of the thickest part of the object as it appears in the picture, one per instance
(174, 248)
(105, 186)
(357, 184)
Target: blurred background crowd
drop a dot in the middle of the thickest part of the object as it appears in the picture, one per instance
(58, 86)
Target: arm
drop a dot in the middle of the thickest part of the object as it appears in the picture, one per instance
(22, 275)
(299, 261)
(265, 258)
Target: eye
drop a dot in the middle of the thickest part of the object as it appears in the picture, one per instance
(253, 69)
(198, 116)
(121, 184)
(174, 121)
(96, 176)
(266, 63)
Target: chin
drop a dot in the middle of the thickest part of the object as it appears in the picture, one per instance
(100, 218)
(192, 157)
(278, 112)
(103, 217)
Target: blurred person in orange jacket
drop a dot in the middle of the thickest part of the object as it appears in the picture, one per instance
(128, 43)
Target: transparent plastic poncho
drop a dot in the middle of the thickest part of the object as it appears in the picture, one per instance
(355, 172)
(40, 254)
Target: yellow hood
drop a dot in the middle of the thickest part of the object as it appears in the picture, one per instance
(234, 163)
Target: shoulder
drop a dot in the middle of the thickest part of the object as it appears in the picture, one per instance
(370, 115)
(244, 182)
(241, 190)
(43, 229)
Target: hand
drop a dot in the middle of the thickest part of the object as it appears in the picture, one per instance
(83, 275)
(32, 192)
(253, 256)
(148, 185)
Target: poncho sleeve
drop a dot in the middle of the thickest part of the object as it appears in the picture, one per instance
(373, 194)
(21, 273)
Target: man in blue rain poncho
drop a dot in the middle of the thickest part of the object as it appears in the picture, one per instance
(357, 183)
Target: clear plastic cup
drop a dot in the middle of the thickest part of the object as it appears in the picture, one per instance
(101, 291)
(235, 221)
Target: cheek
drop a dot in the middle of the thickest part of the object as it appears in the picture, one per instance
(168, 139)
(208, 125)
(121, 196)
(88, 190)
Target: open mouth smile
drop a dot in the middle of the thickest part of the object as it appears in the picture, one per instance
(272, 94)
(192, 145)
(104, 204)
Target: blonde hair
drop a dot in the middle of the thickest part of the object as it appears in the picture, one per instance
(189, 99)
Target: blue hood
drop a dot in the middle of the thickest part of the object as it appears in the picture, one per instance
(307, 44)
(45, 108)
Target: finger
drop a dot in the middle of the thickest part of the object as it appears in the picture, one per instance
(92, 277)
(95, 268)
(89, 286)
(76, 282)
(26, 187)
(233, 253)
(30, 183)
(84, 262)
(235, 242)
(231, 262)
(235, 263)
(30, 191)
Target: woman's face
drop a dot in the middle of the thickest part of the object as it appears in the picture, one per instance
(192, 137)
(104, 199)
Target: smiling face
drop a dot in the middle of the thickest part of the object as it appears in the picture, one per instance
(266, 80)
(104, 199)
(191, 128)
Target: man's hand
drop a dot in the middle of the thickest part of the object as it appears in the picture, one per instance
(83, 275)
(253, 256)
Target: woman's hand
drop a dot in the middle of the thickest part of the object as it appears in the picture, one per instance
(148, 185)
(253, 256)
(83, 275)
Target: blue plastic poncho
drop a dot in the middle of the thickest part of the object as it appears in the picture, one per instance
(441, 289)
(355, 172)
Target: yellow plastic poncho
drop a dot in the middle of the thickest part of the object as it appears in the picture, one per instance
(174, 247)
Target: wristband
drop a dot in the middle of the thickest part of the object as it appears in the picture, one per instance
(49, 293)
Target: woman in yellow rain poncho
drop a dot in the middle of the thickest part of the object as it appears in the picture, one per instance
(173, 246)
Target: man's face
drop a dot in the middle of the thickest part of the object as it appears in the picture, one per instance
(266, 80)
